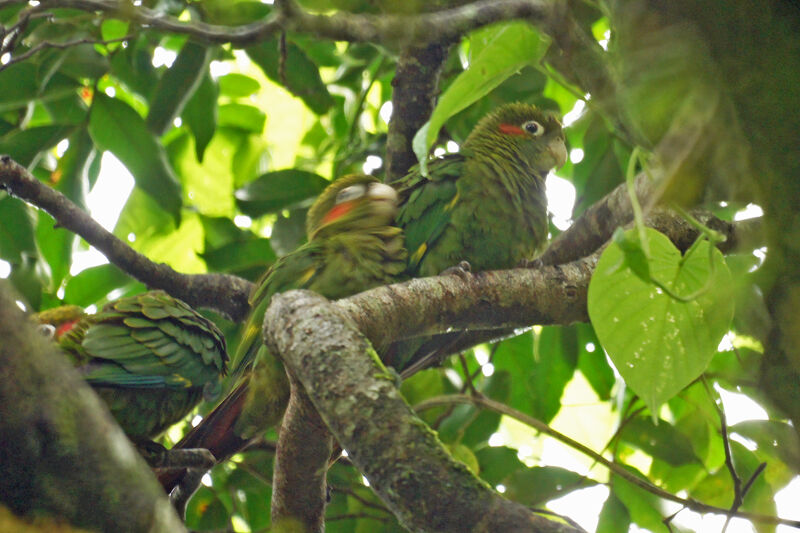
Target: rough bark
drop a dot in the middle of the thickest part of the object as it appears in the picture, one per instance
(301, 462)
(357, 398)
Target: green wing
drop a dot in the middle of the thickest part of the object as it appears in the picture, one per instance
(426, 205)
(296, 270)
(150, 340)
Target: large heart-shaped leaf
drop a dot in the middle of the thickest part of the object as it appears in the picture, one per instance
(658, 342)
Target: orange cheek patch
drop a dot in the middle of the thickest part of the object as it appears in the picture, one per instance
(337, 211)
(510, 129)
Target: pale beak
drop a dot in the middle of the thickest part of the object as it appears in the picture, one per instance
(558, 151)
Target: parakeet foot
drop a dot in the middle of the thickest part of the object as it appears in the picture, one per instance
(462, 270)
(531, 263)
(159, 457)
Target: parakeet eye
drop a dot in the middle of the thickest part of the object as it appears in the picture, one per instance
(47, 331)
(533, 127)
(350, 193)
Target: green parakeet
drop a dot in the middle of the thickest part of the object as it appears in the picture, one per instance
(150, 357)
(352, 246)
(485, 204)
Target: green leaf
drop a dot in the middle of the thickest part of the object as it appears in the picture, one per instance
(538, 485)
(20, 85)
(235, 85)
(643, 508)
(614, 517)
(177, 85)
(515, 45)
(17, 222)
(594, 365)
(113, 29)
(237, 256)
(133, 66)
(116, 127)
(26, 146)
(242, 116)
(206, 511)
(658, 343)
(540, 374)
(498, 463)
(301, 74)
(659, 440)
(775, 438)
(200, 114)
(289, 232)
(278, 190)
(70, 175)
(55, 245)
(94, 284)
(81, 61)
(208, 187)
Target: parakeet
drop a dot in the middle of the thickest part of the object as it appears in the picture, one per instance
(150, 357)
(485, 204)
(352, 246)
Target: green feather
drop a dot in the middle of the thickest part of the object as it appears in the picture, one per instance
(150, 356)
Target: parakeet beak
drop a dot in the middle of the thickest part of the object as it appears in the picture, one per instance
(385, 197)
(558, 151)
(381, 191)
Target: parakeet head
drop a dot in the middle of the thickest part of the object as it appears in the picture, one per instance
(53, 323)
(352, 202)
(521, 131)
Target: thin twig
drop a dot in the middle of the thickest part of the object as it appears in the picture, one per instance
(47, 45)
(224, 293)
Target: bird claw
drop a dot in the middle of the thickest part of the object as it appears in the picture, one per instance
(531, 263)
(462, 270)
(159, 457)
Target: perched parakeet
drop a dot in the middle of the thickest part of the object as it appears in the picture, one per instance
(352, 246)
(150, 357)
(485, 204)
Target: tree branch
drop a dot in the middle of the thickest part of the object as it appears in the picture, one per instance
(61, 448)
(616, 469)
(301, 462)
(356, 397)
(397, 30)
(415, 88)
(221, 292)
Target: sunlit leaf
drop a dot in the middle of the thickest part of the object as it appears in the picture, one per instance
(116, 127)
(658, 343)
(302, 77)
(514, 45)
(278, 190)
(177, 86)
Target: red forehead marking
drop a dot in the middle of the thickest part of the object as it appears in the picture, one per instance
(337, 211)
(510, 129)
(65, 327)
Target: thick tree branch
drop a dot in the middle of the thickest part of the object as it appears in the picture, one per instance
(301, 462)
(396, 30)
(596, 225)
(356, 397)
(415, 87)
(61, 450)
(221, 292)
(492, 304)
(485, 300)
